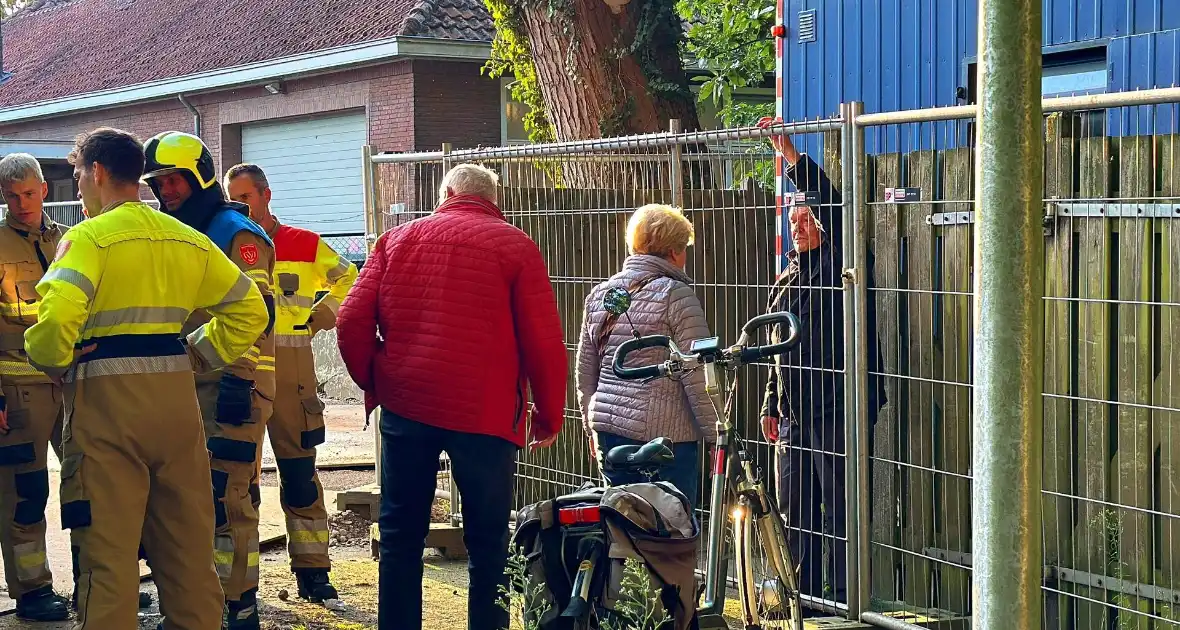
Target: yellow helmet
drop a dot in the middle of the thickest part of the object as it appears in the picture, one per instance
(179, 152)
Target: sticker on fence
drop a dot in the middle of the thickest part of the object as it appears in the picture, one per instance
(902, 195)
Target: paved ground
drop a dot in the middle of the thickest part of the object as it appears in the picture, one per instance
(348, 441)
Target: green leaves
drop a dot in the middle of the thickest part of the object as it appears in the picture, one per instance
(511, 55)
(731, 40)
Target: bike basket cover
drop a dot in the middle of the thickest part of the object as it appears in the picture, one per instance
(654, 523)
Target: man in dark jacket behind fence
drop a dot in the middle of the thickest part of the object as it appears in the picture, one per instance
(804, 408)
(468, 325)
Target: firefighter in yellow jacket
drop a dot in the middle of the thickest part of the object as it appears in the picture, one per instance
(122, 285)
(305, 267)
(236, 401)
(31, 405)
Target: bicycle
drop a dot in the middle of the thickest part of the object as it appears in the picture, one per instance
(736, 488)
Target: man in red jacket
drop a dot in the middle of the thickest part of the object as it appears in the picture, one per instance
(449, 326)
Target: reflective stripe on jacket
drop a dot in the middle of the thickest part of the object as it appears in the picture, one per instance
(25, 254)
(304, 266)
(126, 280)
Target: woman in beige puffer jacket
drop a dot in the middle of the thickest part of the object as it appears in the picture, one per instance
(617, 412)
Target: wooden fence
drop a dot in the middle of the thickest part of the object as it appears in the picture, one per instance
(1112, 320)
(1112, 316)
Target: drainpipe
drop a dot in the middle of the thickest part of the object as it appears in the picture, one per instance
(1009, 319)
(192, 110)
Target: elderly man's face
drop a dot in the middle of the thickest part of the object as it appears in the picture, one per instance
(805, 232)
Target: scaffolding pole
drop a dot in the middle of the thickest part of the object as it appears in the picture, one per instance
(1009, 319)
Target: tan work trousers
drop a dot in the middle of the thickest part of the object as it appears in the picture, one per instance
(296, 429)
(234, 453)
(34, 423)
(135, 461)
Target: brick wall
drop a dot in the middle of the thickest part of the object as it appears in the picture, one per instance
(455, 103)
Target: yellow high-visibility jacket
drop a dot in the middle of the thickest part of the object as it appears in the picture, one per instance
(126, 280)
(304, 266)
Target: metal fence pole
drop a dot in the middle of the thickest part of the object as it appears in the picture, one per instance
(372, 229)
(1009, 342)
(369, 197)
(456, 512)
(676, 169)
(853, 278)
(860, 503)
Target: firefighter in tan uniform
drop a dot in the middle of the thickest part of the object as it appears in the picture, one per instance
(114, 302)
(31, 405)
(305, 267)
(236, 401)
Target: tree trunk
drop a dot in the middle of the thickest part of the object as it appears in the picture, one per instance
(598, 81)
(594, 87)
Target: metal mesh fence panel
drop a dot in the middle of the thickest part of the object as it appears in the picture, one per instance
(574, 202)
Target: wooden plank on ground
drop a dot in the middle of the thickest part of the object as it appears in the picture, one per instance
(1057, 466)
(1166, 395)
(883, 243)
(1133, 458)
(1094, 521)
(954, 495)
(918, 415)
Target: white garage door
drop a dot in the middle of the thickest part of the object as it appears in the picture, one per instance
(314, 169)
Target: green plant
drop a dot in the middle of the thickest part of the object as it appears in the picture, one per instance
(639, 606)
(522, 597)
(512, 55)
(730, 39)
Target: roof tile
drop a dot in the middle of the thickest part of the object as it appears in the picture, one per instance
(59, 48)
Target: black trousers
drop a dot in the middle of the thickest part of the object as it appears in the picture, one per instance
(811, 464)
(483, 467)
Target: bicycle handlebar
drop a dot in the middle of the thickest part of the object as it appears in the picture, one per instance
(785, 318)
(743, 356)
(631, 345)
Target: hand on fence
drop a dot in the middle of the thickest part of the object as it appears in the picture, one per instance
(770, 428)
(782, 144)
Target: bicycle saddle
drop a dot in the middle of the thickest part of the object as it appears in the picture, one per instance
(655, 454)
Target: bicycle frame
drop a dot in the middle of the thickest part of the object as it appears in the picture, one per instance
(751, 502)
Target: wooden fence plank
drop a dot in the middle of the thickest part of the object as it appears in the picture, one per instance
(883, 223)
(954, 495)
(1133, 459)
(918, 417)
(1057, 467)
(1093, 280)
(1166, 424)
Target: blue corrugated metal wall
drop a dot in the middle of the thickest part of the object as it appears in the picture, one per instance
(908, 54)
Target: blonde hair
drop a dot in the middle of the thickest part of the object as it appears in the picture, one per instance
(470, 179)
(17, 166)
(658, 230)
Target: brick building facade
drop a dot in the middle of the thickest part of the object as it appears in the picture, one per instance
(410, 69)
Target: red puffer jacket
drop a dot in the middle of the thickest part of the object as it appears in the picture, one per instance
(467, 319)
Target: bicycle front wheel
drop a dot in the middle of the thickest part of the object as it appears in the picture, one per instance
(767, 585)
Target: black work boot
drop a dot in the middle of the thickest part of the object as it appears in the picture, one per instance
(242, 614)
(43, 605)
(314, 585)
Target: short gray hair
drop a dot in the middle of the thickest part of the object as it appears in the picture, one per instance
(471, 179)
(253, 171)
(16, 167)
